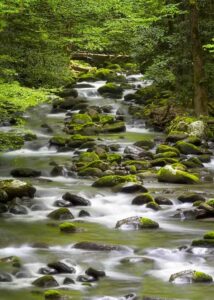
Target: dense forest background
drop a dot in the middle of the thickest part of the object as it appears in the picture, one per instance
(172, 42)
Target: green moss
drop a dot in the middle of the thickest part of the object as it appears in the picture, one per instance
(61, 213)
(52, 295)
(209, 235)
(88, 157)
(112, 157)
(103, 119)
(94, 172)
(168, 154)
(201, 277)
(159, 162)
(59, 140)
(45, 281)
(10, 141)
(111, 89)
(98, 164)
(146, 223)
(181, 123)
(112, 180)
(81, 119)
(67, 227)
(139, 164)
(165, 148)
(207, 243)
(187, 148)
(210, 202)
(119, 126)
(153, 205)
(145, 143)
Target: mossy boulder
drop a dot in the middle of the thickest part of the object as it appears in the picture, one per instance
(117, 126)
(201, 277)
(139, 164)
(210, 202)
(61, 213)
(166, 148)
(143, 198)
(153, 205)
(10, 141)
(81, 119)
(114, 157)
(91, 172)
(168, 154)
(174, 175)
(16, 188)
(204, 243)
(175, 136)
(88, 157)
(53, 295)
(111, 90)
(163, 161)
(191, 197)
(70, 142)
(99, 164)
(192, 162)
(209, 235)
(45, 281)
(187, 148)
(67, 227)
(146, 223)
(145, 143)
(112, 180)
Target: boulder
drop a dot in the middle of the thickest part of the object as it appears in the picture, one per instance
(145, 143)
(90, 246)
(129, 188)
(5, 277)
(53, 295)
(172, 174)
(61, 267)
(111, 90)
(67, 227)
(62, 213)
(191, 276)
(187, 148)
(191, 197)
(95, 273)
(197, 128)
(16, 188)
(163, 200)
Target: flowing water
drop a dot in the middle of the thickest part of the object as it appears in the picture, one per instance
(150, 257)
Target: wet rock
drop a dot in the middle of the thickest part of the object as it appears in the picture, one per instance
(145, 143)
(138, 223)
(61, 267)
(3, 208)
(163, 200)
(17, 188)
(68, 280)
(25, 172)
(111, 90)
(90, 246)
(18, 210)
(173, 137)
(45, 281)
(90, 172)
(5, 277)
(191, 276)
(85, 278)
(53, 295)
(75, 200)
(61, 214)
(84, 213)
(204, 243)
(153, 205)
(68, 92)
(46, 271)
(142, 199)
(95, 273)
(188, 148)
(173, 174)
(192, 162)
(3, 196)
(130, 188)
(191, 197)
(58, 171)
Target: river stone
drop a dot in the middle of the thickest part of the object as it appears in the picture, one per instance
(90, 246)
(130, 188)
(17, 188)
(163, 201)
(190, 276)
(145, 143)
(191, 197)
(138, 223)
(188, 148)
(84, 213)
(57, 171)
(85, 278)
(61, 267)
(45, 281)
(75, 200)
(95, 273)
(68, 280)
(142, 199)
(176, 136)
(112, 180)
(3, 208)
(62, 213)
(197, 128)
(3, 196)
(25, 172)
(172, 174)
(5, 277)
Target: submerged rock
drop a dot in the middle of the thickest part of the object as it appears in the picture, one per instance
(142, 199)
(90, 246)
(5, 277)
(25, 172)
(67, 227)
(61, 267)
(62, 213)
(95, 273)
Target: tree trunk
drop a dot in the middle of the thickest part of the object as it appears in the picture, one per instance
(200, 91)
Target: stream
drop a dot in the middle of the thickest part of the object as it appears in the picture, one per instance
(149, 257)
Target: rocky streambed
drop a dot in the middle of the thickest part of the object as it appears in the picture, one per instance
(100, 207)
